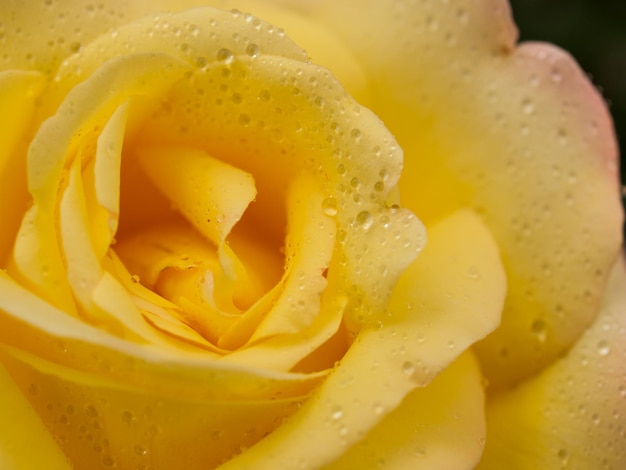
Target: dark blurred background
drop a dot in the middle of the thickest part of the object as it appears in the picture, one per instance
(593, 31)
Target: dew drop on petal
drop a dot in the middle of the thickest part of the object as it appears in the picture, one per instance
(140, 450)
(252, 50)
(336, 413)
(364, 219)
(225, 55)
(473, 273)
(539, 330)
(603, 348)
(329, 206)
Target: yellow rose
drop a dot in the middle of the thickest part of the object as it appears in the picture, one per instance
(210, 259)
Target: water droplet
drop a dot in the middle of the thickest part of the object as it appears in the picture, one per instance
(603, 348)
(355, 134)
(244, 119)
(364, 219)
(408, 368)
(225, 55)
(252, 50)
(473, 273)
(539, 329)
(108, 461)
(563, 455)
(91, 411)
(127, 417)
(139, 450)
(329, 206)
(336, 413)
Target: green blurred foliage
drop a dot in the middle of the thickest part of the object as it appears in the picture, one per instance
(594, 32)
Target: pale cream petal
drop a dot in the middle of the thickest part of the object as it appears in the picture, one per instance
(572, 415)
(517, 133)
(45, 48)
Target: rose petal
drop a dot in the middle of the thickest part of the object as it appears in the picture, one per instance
(24, 440)
(37, 260)
(44, 48)
(383, 365)
(439, 426)
(296, 117)
(308, 249)
(576, 408)
(102, 426)
(18, 91)
(102, 182)
(211, 195)
(519, 134)
(61, 345)
(114, 311)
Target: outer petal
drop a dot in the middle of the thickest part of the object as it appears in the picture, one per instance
(438, 427)
(576, 409)
(37, 43)
(24, 441)
(519, 134)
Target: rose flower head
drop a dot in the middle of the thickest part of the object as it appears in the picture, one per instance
(304, 235)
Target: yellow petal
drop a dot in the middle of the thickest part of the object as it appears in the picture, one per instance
(211, 194)
(308, 249)
(102, 182)
(519, 134)
(449, 297)
(572, 415)
(24, 440)
(108, 427)
(440, 426)
(61, 345)
(67, 136)
(18, 91)
(44, 48)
